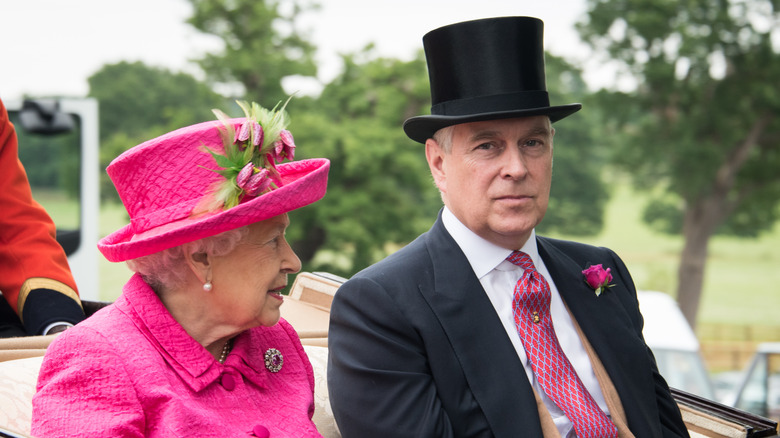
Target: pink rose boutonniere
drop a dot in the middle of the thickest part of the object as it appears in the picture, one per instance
(598, 278)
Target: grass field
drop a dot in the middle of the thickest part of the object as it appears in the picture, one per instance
(112, 275)
(741, 278)
(742, 275)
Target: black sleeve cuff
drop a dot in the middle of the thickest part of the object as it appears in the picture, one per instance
(46, 306)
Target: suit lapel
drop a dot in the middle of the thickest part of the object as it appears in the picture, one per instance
(600, 319)
(487, 357)
(595, 315)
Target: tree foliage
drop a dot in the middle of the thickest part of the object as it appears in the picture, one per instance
(703, 124)
(139, 102)
(51, 162)
(262, 44)
(578, 195)
(135, 98)
(380, 192)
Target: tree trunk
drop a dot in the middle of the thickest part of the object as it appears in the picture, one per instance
(699, 224)
(703, 217)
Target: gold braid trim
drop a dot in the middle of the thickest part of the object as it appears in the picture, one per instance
(44, 283)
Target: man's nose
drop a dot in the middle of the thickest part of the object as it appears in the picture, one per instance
(513, 164)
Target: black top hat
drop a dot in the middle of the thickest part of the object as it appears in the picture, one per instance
(485, 70)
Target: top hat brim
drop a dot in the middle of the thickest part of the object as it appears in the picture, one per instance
(421, 128)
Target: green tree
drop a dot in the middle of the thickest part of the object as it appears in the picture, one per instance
(578, 195)
(263, 44)
(701, 130)
(380, 194)
(138, 102)
(135, 97)
(51, 162)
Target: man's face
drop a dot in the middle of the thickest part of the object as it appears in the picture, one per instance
(496, 176)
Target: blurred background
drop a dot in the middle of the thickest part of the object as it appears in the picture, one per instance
(674, 161)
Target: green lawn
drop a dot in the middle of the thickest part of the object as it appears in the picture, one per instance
(741, 276)
(112, 275)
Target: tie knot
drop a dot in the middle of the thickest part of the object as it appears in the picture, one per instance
(522, 260)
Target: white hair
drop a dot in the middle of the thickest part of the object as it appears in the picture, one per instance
(168, 268)
(444, 138)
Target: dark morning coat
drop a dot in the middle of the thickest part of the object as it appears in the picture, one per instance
(417, 350)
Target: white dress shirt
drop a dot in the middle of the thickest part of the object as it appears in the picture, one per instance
(499, 277)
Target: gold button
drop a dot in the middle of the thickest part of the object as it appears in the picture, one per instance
(536, 317)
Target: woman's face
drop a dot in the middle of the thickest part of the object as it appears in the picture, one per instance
(249, 280)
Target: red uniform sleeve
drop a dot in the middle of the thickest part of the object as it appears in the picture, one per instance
(30, 257)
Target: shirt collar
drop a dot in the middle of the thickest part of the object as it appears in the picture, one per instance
(483, 256)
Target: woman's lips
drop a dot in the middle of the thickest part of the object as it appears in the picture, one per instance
(277, 293)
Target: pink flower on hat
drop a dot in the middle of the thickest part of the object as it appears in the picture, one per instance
(257, 134)
(284, 148)
(252, 180)
(249, 126)
(245, 174)
(258, 183)
(243, 132)
(250, 150)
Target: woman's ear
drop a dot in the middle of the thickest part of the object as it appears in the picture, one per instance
(200, 265)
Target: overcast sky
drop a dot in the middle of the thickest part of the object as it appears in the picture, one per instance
(51, 47)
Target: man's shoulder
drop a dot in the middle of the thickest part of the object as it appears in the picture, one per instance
(570, 247)
(580, 254)
(405, 260)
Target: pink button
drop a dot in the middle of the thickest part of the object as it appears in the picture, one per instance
(260, 431)
(228, 382)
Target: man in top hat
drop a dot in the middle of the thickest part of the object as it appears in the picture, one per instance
(479, 327)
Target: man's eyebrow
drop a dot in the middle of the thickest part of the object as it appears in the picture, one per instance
(491, 133)
(484, 134)
(540, 130)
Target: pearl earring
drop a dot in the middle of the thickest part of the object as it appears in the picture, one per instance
(207, 286)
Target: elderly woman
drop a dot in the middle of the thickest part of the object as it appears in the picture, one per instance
(195, 345)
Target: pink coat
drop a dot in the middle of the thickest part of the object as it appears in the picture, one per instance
(131, 370)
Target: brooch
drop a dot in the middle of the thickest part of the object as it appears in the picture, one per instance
(273, 360)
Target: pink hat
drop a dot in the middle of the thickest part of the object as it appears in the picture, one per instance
(209, 178)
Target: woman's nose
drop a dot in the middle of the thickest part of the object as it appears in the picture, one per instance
(290, 262)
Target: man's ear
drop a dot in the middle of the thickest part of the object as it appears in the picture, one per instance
(435, 156)
(200, 265)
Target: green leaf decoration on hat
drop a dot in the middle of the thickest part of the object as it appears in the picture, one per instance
(251, 152)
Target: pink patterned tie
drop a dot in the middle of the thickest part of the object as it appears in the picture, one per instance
(553, 370)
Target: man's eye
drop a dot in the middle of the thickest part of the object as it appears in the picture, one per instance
(485, 146)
